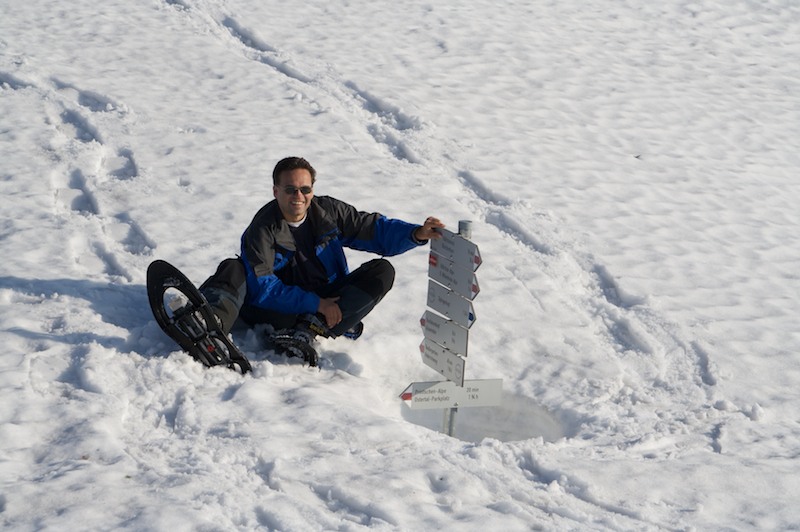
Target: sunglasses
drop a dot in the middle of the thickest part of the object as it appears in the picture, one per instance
(291, 191)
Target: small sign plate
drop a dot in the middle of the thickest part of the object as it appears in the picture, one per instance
(448, 273)
(456, 248)
(445, 394)
(450, 304)
(449, 364)
(445, 332)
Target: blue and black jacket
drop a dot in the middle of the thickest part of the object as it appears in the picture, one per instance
(268, 250)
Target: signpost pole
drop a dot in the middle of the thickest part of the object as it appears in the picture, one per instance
(465, 229)
(449, 424)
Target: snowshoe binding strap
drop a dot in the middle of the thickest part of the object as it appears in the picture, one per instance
(289, 343)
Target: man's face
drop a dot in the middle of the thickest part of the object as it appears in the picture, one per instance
(291, 200)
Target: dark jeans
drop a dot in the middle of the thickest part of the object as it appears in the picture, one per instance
(358, 294)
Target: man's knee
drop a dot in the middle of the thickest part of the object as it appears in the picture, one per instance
(383, 272)
(230, 276)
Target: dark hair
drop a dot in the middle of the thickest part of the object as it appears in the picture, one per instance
(292, 163)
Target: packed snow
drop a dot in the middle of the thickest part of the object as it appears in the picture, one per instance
(630, 169)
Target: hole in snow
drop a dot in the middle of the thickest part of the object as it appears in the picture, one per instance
(515, 418)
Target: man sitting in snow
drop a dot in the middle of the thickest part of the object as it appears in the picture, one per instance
(292, 273)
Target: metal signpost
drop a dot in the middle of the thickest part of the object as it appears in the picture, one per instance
(452, 286)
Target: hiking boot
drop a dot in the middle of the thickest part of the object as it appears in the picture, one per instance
(315, 324)
(355, 331)
(188, 319)
(208, 343)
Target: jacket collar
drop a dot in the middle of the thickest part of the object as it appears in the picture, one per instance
(321, 221)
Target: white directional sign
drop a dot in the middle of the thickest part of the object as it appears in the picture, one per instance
(450, 304)
(449, 364)
(444, 332)
(456, 248)
(452, 285)
(445, 394)
(458, 279)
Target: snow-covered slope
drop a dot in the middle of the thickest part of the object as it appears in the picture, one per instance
(630, 170)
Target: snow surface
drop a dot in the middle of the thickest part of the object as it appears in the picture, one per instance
(631, 171)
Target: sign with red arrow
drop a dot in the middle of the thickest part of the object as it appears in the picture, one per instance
(445, 394)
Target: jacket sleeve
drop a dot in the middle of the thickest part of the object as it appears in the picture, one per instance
(374, 232)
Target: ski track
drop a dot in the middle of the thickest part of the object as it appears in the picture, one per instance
(12, 82)
(90, 166)
(385, 122)
(100, 242)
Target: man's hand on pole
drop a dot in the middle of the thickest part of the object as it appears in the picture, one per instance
(428, 229)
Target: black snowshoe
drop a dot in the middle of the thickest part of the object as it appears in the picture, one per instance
(191, 323)
(294, 343)
(299, 341)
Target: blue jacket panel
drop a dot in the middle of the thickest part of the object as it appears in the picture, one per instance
(268, 250)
